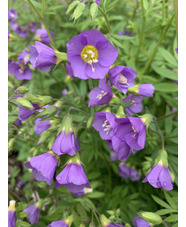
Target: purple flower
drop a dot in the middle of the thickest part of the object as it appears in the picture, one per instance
(42, 35)
(134, 175)
(113, 156)
(11, 214)
(12, 14)
(136, 106)
(91, 54)
(122, 77)
(33, 213)
(132, 130)
(69, 70)
(100, 95)
(31, 26)
(176, 49)
(127, 33)
(42, 57)
(18, 122)
(105, 123)
(65, 144)
(159, 177)
(43, 166)
(26, 113)
(41, 126)
(112, 224)
(124, 171)
(24, 56)
(97, 1)
(20, 70)
(139, 222)
(21, 31)
(14, 25)
(73, 177)
(83, 191)
(64, 92)
(146, 90)
(61, 223)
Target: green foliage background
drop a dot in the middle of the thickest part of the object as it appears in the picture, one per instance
(150, 51)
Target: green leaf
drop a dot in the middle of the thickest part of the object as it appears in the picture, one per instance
(168, 122)
(145, 4)
(22, 214)
(95, 195)
(170, 200)
(166, 87)
(23, 223)
(160, 202)
(167, 56)
(165, 73)
(172, 218)
(165, 211)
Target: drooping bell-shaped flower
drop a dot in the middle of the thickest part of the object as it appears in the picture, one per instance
(42, 35)
(42, 57)
(140, 222)
(159, 177)
(124, 171)
(12, 14)
(72, 176)
(146, 90)
(100, 95)
(105, 124)
(12, 214)
(25, 113)
(91, 54)
(40, 127)
(122, 77)
(43, 166)
(134, 175)
(20, 70)
(31, 26)
(136, 106)
(34, 213)
(63, 223)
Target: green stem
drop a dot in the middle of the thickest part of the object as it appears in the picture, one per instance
(163, 11)
(41, 17)
(168, 115)
(160, 133)
(43, 7)
(14, 195)
(162, 36)
(75, 108)
(142, 32)
(176, 16)
(105, 16)
(12, 103)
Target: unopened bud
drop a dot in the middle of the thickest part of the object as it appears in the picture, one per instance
(71, 7)
(89, 122)
(32, 98)
(11, 144)
(22, 90)
(147, 118)
(69, 220)
(151, 217)
(104, 220)
(24, 103)
(78, 11)
(93, 10)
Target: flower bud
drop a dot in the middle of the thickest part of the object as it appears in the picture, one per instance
(60, 56)
(162, 157)
(115, 100)
(44, 136)
(51, 110)
(11, 144)
(104, 220)
(67, 123)
(92, 224)
(69, 220)
(44, 100)
(22, 90)
(78, 11)
(147, 118)
(32, 98)
(89, 122)
(82, 225)
(71, 7)
(151, 217)
(24, 103)
(120, 112)
(93, 10)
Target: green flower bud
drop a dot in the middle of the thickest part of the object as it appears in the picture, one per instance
(71, 7)
(147, 118)
(93, 10)
(11, 144)
(92, 224)
(133, 90)
(127, 225)
(78, 11)
(67, 123)
(115, 100)
(162, 158)
(82, 225)
(60, 56)
(104, 220)
(44, 100)
(89, 122)
(32, 98)
(49, 111)
(45, 135)
(151, 217)
(22, 90)
(120, 112)
(24, 103)
(69, 220)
